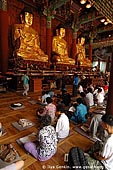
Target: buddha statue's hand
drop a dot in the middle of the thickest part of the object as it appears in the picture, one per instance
(37, 49)
(40, 51)
(17, 34)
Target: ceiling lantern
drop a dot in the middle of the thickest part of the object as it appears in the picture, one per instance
(102, 20)
(88, 5)
(105, 23)
(83, 1)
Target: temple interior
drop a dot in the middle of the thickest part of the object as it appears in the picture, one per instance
(60, 48)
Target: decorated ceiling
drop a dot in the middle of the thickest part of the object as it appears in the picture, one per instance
(91, 18)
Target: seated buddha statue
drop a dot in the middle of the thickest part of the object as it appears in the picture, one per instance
(26, 40)
(81, 54)
(59, 48)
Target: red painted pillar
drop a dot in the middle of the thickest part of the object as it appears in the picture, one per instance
(74, 44)
(48, 41)
(109, 108)
(107, 64)
(3, 36)
(90, 48)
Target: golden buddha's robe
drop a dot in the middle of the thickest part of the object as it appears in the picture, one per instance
(59, 48)
(81, 56)
(27, 44)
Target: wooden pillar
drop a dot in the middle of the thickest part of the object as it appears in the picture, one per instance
(99, 64)
(90, 48)
(3, 36)
(107, 64)
(109, 108)
(48, 41)
(74, 43)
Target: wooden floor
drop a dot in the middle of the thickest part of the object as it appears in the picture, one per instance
(7, 116)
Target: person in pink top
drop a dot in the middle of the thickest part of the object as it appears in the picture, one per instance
(50, 109)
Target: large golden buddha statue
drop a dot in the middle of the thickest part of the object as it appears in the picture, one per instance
(81, 54)
(59, 48)
(26, 40)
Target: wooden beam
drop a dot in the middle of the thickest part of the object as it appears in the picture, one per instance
(58, 4)
(89, 20)
(105, 29)
(28, 3)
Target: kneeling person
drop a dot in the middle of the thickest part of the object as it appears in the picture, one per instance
(79, 115)
(62, 126)
(47, 139)
(50, 109)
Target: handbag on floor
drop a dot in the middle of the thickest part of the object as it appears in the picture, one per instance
(7, 152)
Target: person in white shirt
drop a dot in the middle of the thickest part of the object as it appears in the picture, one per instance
(95, 92)
(62, 125)
(15, 166)
(80, 88)
(100, 97)
(103, 159)
(89, 98)
(103, 92)
(95, 128)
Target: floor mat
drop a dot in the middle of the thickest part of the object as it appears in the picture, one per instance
(20, 128)
(28, 138)
(17, 108)
(3, 131)
(40, 103)
(83, 133)
(60, 140)
(33, 101)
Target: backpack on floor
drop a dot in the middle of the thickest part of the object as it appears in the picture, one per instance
(77, 159)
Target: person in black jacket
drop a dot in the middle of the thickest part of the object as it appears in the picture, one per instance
(66, 98)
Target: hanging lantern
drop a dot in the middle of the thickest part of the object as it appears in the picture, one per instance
(83, 1)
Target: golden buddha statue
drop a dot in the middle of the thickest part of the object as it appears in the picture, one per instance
(59, 48)
(81, 54)
(26, 40)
